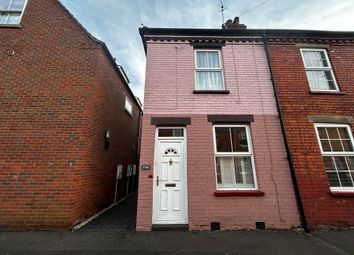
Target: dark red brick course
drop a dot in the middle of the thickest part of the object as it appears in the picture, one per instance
(59, 92)
(296, 101)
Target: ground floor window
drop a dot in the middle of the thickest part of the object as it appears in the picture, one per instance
(234, 158)
(337, 148)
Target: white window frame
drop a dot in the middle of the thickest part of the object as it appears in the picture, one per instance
(205, 69)
(329, 68)
(129, 110)
(335, 154)
(14, 11)
(236, 154)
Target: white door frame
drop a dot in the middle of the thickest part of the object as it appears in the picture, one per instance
(156, 155)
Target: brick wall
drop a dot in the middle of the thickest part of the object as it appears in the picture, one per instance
(55, 106)
(297, 103)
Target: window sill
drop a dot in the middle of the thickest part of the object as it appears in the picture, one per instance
(211, 92)
(230, 193)
(342, 193)
(10, 26)
(328, 92)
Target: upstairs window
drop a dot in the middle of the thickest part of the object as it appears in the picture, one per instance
(234, 158)
(209, 75)
(11, 11)
(128, 106)
(318, 70)
(337, 147)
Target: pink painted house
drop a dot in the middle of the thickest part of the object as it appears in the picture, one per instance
(212, 152)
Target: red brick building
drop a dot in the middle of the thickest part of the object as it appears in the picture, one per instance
(68, 119)
(314, 79)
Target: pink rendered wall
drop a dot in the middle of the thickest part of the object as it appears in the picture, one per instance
(169, 92)
(170, 81)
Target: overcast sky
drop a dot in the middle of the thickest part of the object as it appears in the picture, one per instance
(116, 22)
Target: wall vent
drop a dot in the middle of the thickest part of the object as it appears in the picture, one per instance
(214, 226)
(260, 225)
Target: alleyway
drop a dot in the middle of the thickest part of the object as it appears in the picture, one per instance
(121, 217)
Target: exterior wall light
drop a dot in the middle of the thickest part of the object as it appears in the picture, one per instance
(107, 135)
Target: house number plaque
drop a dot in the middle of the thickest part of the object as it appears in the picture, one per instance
(146, 167)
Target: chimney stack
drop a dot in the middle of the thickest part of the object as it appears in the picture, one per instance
(234, 24)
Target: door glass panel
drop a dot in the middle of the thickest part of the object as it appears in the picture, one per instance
(172, 132)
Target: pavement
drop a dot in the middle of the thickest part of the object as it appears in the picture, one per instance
(171, 243)
(113, 233)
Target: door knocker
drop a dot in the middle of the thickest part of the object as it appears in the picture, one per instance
(170, 162)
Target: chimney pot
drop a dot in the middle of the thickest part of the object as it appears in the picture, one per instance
(235, 24)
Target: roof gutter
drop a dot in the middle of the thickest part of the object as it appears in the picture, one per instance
(292, 170)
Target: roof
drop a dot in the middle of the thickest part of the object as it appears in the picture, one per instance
(146, 32)
(119, 69)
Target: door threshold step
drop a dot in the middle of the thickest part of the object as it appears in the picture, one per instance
(170, 227)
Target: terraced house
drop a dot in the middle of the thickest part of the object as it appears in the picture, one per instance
(313, 74)
(68, 119)
(212, 152)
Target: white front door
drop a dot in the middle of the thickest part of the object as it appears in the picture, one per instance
(170, 201)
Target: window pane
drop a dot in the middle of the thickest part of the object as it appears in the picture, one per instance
(325, 145)
(239, 139)
(350, 161)
(307, 58)
(171, 132)
(211, 80)
(329, 80)
(4, 4)
(128, 106)
(329, 164)
(225, 168)
(208, 59)
(347, 145)
(223, 139)
(333, 179)
(17, 4)
(311, 78)
(243, 171)
(333, 133)
(321, 80)
(315, 59)
(340, 163)
(343, 133)
(322, 133)
(234, 172)
(3, 18)
(336, 145)
(14, 18)
(345, 179)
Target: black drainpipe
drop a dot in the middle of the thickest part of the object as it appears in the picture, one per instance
(292, 171)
